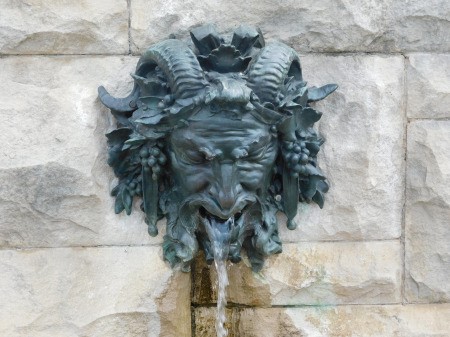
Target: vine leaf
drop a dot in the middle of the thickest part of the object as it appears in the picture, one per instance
(118, 136)
(295, 97)
(205, 38)
(118, 206)
(313, 189)
(245, 38)
(307, 118)
(123, 198)
(310, 187)
(313, 171)
(135, 141)
(319, 199)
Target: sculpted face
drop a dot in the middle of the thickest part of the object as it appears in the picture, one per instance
(217, 138)
(228, 161)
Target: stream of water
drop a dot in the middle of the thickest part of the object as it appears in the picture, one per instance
(219, 234)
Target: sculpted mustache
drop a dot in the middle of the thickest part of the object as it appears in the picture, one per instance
(188, 211)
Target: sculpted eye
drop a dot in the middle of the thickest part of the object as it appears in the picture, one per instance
(256, 154)
(193, 157)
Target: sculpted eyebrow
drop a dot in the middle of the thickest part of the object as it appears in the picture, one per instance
(209, 155)
(255, 147)
(188, 141)
(258, 144)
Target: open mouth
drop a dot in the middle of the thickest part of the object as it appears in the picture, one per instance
(217, 228)
(207, 215)
(223, 233)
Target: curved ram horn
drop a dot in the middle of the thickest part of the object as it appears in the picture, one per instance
(125, 104)
(178, 63)
(270, 68)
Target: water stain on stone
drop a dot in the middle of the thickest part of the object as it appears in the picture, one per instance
(205, 320)
(245, 287)
(202, 287)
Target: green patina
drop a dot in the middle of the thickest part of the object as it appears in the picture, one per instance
(219, 130)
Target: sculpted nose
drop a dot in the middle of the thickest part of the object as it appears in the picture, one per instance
(226, 189)
(227, 196)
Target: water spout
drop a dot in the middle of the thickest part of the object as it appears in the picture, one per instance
(219, 234)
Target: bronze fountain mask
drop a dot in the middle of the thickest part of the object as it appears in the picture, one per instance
(217, 137)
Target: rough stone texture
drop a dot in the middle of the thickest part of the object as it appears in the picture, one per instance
(330, 26)
(428, 78)
(341, 321)
(417, 25)
(309, 25)
(63, 27)
(95, 27)
(428, 212)
(311, 274)
(55, 180)
(363, 155)
(205, 320)
(92, 292)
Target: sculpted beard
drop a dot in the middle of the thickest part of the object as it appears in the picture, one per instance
(254, 228)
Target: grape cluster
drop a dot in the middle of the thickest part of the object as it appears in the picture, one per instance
(151, 159)
(134, 186)
(296, 156)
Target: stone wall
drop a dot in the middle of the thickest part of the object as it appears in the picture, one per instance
(374, 262)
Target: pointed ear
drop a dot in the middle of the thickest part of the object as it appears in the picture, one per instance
(317, 94)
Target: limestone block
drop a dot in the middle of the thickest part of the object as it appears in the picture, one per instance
(307, 25)
(428, 212)
(428, 82)
(205, 320)
(363, 125)
(92, 292)
(333, 321)
(63, 27)
(417, 25)
(311, 274)
(54, 180)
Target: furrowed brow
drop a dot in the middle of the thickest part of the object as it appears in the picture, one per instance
(258, 143)
(209, 155)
